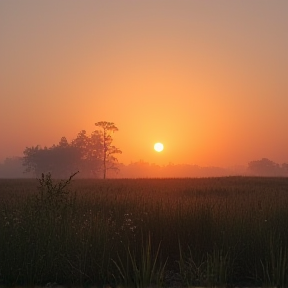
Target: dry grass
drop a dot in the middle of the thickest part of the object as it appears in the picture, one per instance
(198, 232)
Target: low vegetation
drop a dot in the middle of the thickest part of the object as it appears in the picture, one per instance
(144, 232)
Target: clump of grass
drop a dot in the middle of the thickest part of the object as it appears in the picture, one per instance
(142, 272)
(213, 270)
(191, 273)
(275, 263)
(218, 268)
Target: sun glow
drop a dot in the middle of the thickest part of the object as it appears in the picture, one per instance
(158, 147)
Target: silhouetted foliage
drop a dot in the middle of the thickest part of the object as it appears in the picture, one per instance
(61, 160)
(108, 150)
(91, 155)
(266, 167)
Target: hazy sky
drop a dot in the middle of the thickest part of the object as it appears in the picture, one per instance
(208, 79)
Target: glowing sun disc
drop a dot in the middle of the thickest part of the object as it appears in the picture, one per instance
(158, 147)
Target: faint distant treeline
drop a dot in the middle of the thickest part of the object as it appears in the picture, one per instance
(263, 167)
(266, 167)
(13, 168)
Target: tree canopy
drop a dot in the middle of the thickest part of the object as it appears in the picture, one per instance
(266, 167)
(85, 153)
(108, 150)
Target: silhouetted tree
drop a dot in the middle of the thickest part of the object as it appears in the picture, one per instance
(61, 160)
(90, 150)
(63, 143)
(31, 159)
(265, 167)
(108, 150)
(91, 155)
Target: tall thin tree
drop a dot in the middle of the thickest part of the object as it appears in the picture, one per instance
(109, 150)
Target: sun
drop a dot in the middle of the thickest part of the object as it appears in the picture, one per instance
(158, 147)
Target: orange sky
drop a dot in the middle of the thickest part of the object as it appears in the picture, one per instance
(208, 79)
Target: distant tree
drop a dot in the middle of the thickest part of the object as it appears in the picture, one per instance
(285, 167)
(31, 159)
(108, 150)
(265, 167)
(63, 159)
(90, 149)
(63, 143)
(60, 160)
(81, 142)
(92, 155)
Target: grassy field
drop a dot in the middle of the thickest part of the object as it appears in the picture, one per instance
(142, 232)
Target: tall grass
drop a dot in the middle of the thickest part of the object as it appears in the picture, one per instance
(141, 269)
(144, 232)
(213, 270)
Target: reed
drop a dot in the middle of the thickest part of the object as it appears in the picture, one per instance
(143, 232)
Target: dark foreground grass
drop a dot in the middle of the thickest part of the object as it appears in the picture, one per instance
(142, 232)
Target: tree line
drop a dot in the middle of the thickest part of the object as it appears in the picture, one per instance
(93, 155)
(13, 168)
(266, 167)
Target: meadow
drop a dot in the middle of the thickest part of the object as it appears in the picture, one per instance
(228, 231)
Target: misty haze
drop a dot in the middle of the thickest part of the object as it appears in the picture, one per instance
(143, 143)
